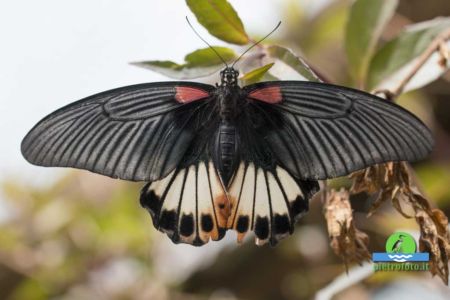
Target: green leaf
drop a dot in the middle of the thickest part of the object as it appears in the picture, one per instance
(256, 75)
(326, 28)
(290, 59)
(364, 27)
(200, 63)
(220, 19)
(402, 50)
(207, 57)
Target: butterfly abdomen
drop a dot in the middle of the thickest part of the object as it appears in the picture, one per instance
(226, 150)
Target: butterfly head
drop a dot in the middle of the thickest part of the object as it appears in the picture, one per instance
(229, 76)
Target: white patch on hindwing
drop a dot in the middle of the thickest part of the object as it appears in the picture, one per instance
(195, 208)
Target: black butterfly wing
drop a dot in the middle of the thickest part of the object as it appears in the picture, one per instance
(265, 198)
(192, 206)
(319, 131)
(267, 202)
(189, 205)
(137, 133)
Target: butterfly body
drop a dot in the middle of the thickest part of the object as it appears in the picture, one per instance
(226, 150)
(225, 157)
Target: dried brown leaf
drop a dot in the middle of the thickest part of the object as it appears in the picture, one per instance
(419, 201)
(384, 196)
(349, 243)
(402, 205)
(434, 239)
(404, 176)
(393, 181)
(359, 182)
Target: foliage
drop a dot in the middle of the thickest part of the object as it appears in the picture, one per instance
(256, 75)
(201, 62)
(286, 56)
(220, 19)
(365, 24)
(403, 49)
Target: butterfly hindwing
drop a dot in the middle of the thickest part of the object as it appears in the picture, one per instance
(320, 131)
(138, 132)
(190, 204)
(267, 202)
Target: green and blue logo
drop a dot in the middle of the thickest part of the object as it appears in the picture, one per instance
(400, 247)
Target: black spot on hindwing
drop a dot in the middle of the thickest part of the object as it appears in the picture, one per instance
(187, 225)
(299, 206)
(281, 224)
(150, 201)
(262, 227)
(207, 223)
(242, 224)
(168, 220)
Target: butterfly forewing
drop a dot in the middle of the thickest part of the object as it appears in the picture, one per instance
(138, 132)
(320, 131)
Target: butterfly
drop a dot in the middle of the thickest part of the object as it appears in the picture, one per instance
(224, 157)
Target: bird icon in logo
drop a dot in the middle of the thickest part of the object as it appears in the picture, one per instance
(398, 244)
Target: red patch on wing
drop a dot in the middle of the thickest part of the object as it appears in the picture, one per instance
(188, 94)
(270, 94)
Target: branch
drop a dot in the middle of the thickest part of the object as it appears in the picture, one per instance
(438, 44)
(345, 280)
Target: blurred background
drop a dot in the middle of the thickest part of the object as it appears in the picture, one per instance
(68, 234)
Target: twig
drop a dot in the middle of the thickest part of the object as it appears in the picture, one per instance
(324, 192)
(345, 280)
(435, 45)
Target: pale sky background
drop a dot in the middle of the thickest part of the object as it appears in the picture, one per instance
(53, 52)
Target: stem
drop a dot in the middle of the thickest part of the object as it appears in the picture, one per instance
(435, 45)
(324, 192)
(345, 280)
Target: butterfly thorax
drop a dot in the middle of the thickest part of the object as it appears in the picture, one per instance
(228, 94)
(228, 98)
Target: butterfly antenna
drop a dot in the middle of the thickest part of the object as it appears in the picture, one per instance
(251, 47)
(211, 47)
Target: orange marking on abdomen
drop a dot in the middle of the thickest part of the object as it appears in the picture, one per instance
(186, 94)
(270, 94)
(223, 210)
